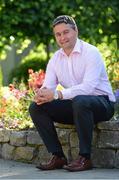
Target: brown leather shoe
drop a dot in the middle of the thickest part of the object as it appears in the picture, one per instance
(80, 164)
(54, 163)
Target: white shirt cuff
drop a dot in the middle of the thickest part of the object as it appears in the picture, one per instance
(66, 93)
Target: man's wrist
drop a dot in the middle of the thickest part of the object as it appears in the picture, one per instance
(60, 96)
(57, 95)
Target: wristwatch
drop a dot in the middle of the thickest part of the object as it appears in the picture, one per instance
(56, 96)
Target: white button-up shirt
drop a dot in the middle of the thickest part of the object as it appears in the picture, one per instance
(81, 73)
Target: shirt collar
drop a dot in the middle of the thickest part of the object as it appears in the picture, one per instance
(77, 47)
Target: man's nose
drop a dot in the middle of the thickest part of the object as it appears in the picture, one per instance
(62, 36)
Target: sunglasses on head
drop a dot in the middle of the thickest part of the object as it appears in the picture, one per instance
(64, 19)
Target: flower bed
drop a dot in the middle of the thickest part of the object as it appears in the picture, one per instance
(15, 101)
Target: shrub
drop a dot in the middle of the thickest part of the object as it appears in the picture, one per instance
(20, 73)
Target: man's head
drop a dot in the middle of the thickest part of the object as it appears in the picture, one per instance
(66, 32)
(65, 19)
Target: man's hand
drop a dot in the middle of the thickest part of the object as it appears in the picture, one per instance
(43, 95)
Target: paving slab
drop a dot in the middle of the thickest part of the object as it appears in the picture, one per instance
(17, 170)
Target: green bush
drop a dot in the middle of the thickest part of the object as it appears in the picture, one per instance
(20, 73)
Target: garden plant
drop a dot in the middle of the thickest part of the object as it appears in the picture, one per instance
(15, 101)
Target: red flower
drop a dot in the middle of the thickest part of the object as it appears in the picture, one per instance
(11, 87)
(36, 79)
(16, 92)
(30, 71)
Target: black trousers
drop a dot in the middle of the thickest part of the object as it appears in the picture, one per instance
(84, 111)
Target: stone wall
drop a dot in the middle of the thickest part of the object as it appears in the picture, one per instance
(27, 146)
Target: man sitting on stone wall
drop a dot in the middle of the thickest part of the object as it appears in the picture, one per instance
(86, 99)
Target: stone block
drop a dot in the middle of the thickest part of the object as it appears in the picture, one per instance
(64, 126)
(7, 151)
(117, 159)
(24, 154)
(4, 135)
(95, 138)
(109, 125)
(18, 138)
(34, 138)
(74, 153)
(43, 154)
(74, 142)
(63, 135)
(108, 139)
(103, 158)
(66, 150)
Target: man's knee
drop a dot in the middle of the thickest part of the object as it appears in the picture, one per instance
(33, 108)
(81, 101)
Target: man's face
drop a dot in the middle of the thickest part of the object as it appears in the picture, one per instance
(65, 36)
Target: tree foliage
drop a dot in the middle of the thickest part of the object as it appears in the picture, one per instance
(33, 19)
(98, 22)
